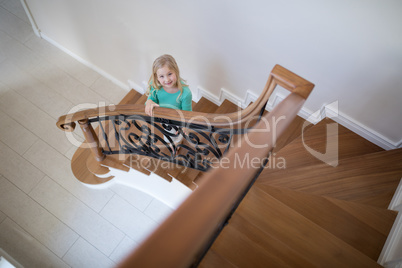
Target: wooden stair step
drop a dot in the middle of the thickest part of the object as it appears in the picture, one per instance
(141, 100)
(229, 107)
(133, 161)
(131, 98)
(365, 228)
(254, 248)
(205, 106)
(292, 132)
(213, 259)
(349, 144)
(156, 166)
(81, 170)
(184, 174)
(102, 168)
(124, 161)
(264, 231)
(226, 107)
(369, 179)
(146, 164)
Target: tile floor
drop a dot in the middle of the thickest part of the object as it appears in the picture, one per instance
(47, 218)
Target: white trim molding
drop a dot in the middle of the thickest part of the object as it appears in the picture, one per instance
(329, 110)
(391, 253)
(87, 63)
(31, 19)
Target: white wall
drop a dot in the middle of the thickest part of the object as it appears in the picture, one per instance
(351, 50)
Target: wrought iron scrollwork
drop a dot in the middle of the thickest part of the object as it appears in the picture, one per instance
(191, 145)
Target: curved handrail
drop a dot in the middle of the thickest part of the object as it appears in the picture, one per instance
(182, 235)
(278, 76)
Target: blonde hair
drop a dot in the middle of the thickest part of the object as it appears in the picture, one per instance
(160, 62)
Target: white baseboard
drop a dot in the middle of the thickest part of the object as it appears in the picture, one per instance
(397, 198)
(394, 241)
(87, 63)
(35, 27)
(390, 253)
(366, 132)
(329, 110)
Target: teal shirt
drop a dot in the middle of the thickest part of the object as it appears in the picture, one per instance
(169, 100)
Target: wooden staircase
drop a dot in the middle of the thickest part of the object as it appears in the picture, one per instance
(309, 214)
(312, 214)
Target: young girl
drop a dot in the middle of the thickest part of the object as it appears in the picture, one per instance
(166, 88)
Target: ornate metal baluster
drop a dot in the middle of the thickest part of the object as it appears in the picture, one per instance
(137, 135)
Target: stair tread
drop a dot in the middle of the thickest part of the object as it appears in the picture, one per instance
(364, 227)
(264, 230)
(369, 179)
(184, 174)
(213, 259)
(80, 169)
(254, 248)
(292, 132)
(79, 161)
(205, 106)
(131, 97)
(133, 161)
(315, 137)
(227, 107)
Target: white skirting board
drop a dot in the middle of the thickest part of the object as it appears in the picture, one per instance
(391, 254)
(6, 261)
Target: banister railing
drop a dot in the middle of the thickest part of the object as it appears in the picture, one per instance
(182, 237)
(126, 129)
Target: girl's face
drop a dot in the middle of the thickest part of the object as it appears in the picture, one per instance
(166, 77)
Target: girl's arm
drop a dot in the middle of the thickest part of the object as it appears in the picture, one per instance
(149, 107)
(187, 100)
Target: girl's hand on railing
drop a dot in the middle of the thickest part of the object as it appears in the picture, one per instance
(149, 107)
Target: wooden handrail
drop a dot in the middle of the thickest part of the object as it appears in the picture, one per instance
(185, 232)
(181, 236)
(278, 76)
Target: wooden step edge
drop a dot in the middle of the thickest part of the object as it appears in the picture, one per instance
(134, 162)
(364, 227)
(205, 106)
(213, 259)
(265, 220)
(316, 144)
(96, 168)
(312, 242)
(83, 164)
(375, 158)
(243, 244)
(130, 98)
(293, 132)
(227, 107)
(80, 169)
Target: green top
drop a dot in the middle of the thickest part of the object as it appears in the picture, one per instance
(169, 100)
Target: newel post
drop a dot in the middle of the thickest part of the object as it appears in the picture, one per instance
(92, 139)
